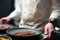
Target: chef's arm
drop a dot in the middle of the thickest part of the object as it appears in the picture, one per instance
(16, 14)
(54, 15)
(50, 26)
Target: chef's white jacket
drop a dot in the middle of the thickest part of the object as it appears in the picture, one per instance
(32, 13)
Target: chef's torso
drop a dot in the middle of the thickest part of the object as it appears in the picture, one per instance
(34, 13)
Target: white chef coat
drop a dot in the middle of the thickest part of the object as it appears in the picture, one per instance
(32, 13)
(55, 14)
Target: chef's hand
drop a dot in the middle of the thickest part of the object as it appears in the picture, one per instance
(49, 29)
(4, 20)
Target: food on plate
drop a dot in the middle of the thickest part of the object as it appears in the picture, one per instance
(4, 38)
(4, 27)
(24, 33)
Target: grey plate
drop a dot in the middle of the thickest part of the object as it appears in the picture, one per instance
(14, 30)
(11, 26)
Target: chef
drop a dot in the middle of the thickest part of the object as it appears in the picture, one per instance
(33, 14)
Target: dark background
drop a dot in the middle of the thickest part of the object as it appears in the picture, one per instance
(6, 7)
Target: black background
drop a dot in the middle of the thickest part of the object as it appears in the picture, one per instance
(6, 7)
